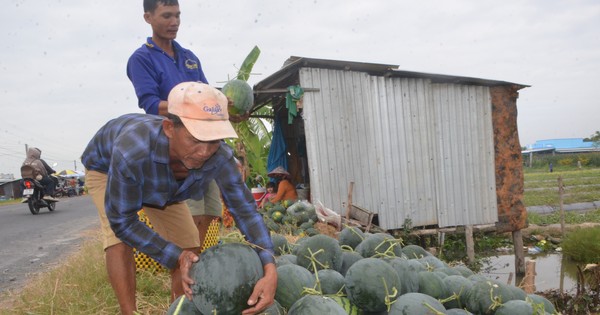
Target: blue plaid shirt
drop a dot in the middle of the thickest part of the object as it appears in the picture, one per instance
(134, 153)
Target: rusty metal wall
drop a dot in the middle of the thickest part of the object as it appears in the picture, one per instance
(419, 153)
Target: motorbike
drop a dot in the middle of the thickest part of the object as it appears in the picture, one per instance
(34, 192)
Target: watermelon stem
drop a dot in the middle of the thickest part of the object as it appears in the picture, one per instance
(388, 296)
(496, 300)
(436, 312)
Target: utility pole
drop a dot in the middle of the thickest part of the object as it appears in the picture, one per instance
(75, 165)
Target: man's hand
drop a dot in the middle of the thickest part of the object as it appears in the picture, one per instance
(236, 118)
(185, 264)
(263, 294)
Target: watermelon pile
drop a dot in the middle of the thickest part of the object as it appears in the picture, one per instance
(355, 273)
(366, 273)
(290, 217)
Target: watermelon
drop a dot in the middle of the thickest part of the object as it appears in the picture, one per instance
(414, 251)
(464, 270)
(351, 236)
(457, 286)
(515, 307)
(316, 304)
(432, 262)
(325, 250)
(379, 245)
(274, 309)
(345, 303)
(432, 284)
(224, 278)
(277, 216)
(541, 303)
(331, 281)
(241, 94)
(372, 284)
(183, 306)
(417, 303)
(408, 274)
(348, 258)
(291, 282)
(280, 244)
(457, 311)
(485, 296)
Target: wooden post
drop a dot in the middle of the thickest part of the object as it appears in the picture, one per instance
(349, 205)
(519, 253)
(529, 281)
(470, 244)
(561, 191)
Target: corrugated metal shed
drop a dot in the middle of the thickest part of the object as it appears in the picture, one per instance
(419, 147)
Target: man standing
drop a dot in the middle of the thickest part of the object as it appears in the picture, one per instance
(154, 69)
(150, 161)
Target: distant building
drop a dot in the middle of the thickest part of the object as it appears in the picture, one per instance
(4, 178)
(565, 145)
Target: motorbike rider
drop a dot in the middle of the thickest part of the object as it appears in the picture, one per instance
(36, 168)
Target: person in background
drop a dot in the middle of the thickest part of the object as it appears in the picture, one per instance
(154, 69)
(271, 192)
(285, 189)
(156, 162)
(36, 168)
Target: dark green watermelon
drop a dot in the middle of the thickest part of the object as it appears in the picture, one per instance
(291, 282)
(324, 249)
(348, 258)
(515, 307)
(316, 304)
(408, 274)
(380, 245)
(183, 306)
(332, 282)
(351, 236)
(371, 284)
(415, 303)
(224, 278)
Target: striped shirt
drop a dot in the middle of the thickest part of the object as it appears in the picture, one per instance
(134, 153)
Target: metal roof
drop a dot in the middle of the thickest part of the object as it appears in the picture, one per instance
(288, 75)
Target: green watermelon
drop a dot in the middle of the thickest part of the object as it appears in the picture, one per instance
(515, 307)
(432, 284)
(291, 282)
(325, 250)
(351, 236)
(348, 258)
(417, 303)
(183, 306)
(485, 296)
(280, 244)
(379, 245)
(457, 286)
(331, 281)
(241, 94)
(408, 274)
(414, 251)
(541, 303)
(345, 303)
(274, 309)
(316, 304)
(224, 278)
(372, 284)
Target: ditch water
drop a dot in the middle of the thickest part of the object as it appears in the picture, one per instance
(553, 271)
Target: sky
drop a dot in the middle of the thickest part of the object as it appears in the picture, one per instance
(62, 63)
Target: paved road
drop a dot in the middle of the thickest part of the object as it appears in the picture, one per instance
(33, 243)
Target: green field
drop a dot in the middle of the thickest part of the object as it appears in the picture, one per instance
(541, 186)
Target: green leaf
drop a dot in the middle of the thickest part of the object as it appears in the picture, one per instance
(248, 64)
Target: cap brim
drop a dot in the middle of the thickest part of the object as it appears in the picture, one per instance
(209, 130)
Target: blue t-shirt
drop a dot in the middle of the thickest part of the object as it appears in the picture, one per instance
(154, 73)
(133, 151)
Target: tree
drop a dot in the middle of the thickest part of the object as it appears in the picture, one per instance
(594, 138)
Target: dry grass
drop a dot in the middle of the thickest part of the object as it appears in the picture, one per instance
(80, 286)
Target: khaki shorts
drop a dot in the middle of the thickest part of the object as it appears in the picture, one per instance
(174, 223)
(210, 205)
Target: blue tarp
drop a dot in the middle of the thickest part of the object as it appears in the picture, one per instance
(277, 152)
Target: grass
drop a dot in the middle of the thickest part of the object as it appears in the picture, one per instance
(80, 286)
(541, 187)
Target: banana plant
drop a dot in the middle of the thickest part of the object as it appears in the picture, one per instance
(254, 135)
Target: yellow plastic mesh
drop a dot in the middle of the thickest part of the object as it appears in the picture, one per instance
(144, 262)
